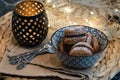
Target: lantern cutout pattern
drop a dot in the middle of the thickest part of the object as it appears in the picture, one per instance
(29, 23)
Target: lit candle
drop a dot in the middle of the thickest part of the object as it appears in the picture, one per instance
(29, 23)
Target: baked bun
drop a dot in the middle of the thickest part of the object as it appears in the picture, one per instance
(93, 41)
(74, 31)
(95, 45)
(78, 42)
(73, 40)
(73, 36)
(60, 47)
(81, 49)
(89, 38)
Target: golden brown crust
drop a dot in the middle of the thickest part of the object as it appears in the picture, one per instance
(81, 49)
(67, 47)
(93, 41)
(74, 40)
(83, 44)
(74, 31)
(60, 46)
(72, 36)
(95, 44)
(78, 42)
(89, 38)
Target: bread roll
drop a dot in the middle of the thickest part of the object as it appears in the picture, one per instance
(81, 49)
(93, 41)
(72, 36)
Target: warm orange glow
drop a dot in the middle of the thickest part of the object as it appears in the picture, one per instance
(29, 8)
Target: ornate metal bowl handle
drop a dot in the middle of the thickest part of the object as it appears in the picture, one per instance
(24, 58)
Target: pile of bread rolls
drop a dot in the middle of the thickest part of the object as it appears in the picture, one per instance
(78, 42)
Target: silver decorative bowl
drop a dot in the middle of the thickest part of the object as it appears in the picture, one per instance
(79, 61)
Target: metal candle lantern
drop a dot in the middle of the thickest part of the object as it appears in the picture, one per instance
(29, 23)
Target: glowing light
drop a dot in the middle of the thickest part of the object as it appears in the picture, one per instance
(67, 10)
(86, 20)
(91, 24)
(91, 12)
(116, 10)
(49, 25)
(48, 1)
(70, 22)
(75, 23)
(54, 6)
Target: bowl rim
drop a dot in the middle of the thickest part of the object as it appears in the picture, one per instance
(83, 26)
